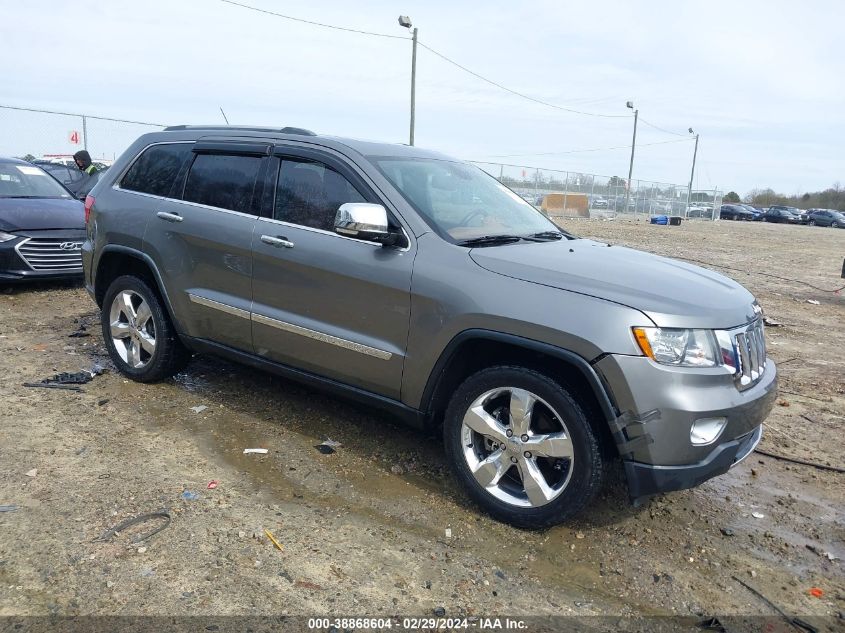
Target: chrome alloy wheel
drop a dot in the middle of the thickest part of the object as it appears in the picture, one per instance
(517, 447)
(133, 331)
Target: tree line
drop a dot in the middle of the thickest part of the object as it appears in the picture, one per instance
(831, 198)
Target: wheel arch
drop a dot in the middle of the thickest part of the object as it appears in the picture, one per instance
(475, 349)
(119, 260)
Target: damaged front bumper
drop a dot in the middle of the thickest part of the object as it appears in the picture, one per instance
(656, 444)
(645, 480)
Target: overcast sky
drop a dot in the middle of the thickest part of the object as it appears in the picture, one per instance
(762, 82)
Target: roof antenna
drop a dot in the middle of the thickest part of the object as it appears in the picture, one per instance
(224, 115)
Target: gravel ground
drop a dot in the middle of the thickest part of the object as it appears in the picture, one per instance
(378, 527)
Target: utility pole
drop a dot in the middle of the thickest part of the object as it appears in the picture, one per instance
(692, 174)
(630, 105)
(405, 21)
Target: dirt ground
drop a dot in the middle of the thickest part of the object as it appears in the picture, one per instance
(379, 527)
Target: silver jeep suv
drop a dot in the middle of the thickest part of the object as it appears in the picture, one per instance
(417, 283)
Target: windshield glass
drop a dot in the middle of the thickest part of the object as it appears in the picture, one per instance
(28, 181)
(461, 201)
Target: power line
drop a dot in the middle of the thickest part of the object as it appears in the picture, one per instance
(88, 116)
(657, 127)
(592, 149)
(438, 54)
(441, 55)
(313, 23)
(520, 94)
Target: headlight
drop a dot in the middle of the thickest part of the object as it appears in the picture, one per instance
(6, 237)
(681, 348)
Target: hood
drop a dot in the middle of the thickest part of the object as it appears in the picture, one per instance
(670, 292)
(33, 214)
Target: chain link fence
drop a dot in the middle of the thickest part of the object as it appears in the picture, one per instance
(34, 134)
(28, 132)
(575, 194)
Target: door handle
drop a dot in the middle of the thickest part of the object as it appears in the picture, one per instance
(169, 217)
(278, 242)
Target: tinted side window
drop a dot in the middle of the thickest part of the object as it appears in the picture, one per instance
(310, 194)
(223, 181)
(156, 168)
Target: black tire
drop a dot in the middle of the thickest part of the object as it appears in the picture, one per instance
(170, 355)
(811, 222)
(588, 465)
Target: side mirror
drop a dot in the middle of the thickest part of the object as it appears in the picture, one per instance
(364, 221)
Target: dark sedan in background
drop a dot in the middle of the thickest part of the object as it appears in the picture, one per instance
(42, 226)
(826, 217)
(735, 212)
(77, 182)
(787, 215)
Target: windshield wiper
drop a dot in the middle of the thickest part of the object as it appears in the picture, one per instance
(554, 235)
(490, 240)
(28, 197)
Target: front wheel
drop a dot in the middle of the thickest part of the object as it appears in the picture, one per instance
(522, 447)
(811, 222)
(139, 335)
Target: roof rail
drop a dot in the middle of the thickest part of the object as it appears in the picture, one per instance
(284, 130)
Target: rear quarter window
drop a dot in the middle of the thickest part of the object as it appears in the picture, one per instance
(156, 168)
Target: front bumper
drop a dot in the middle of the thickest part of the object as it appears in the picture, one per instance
(40, 255)
(645, 480)
(660, 405)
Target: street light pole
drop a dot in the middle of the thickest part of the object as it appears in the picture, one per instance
(630, 105)
(692, 173)
(405, 21)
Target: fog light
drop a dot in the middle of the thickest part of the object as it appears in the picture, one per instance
(706, 430)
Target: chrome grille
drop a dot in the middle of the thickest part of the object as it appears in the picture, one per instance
(751, 352)
(47, 255)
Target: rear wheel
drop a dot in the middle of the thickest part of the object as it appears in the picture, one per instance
(139, 335)
(522, 447)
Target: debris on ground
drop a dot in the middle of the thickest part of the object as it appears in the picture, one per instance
(102, 402)
(771, 322)
(67, 380)
(796, 622)
(328, 446)
(727, 531)
(32, 473)
(814, 302)
(8, 508)
(213, 484)
(448, 532)
(199, 409)
(141, 518)
(712, 624)
(440, 612)
(187, 495)
(257, 451)
(274, 541)
(758, 515)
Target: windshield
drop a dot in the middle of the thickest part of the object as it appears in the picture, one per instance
(28, 181)
(460, 201)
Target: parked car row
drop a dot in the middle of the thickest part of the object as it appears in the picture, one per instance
(783, 214)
